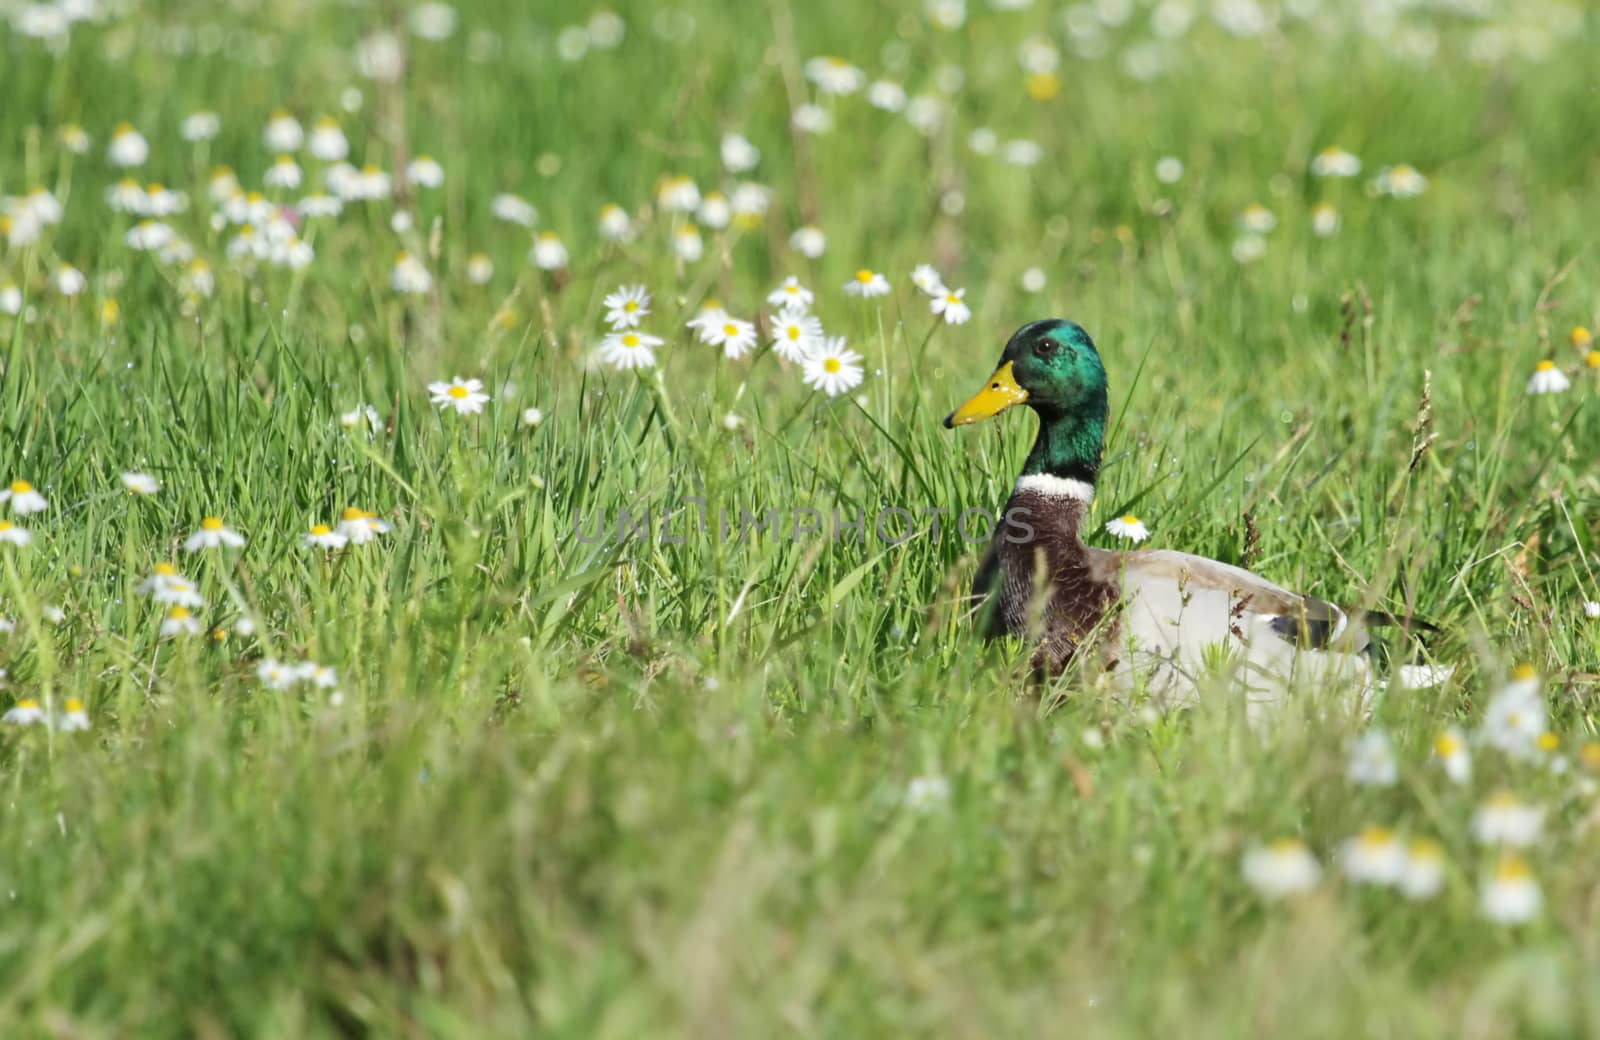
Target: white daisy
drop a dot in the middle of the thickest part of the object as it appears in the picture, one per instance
(1128, 526)
(479, 269)
(1450, 748)
(1423, 876)
(283, 133)
(1374, 857)
(1515, 716)
(927, 280)
(629, 349)
(128, 146)
(809, 242)
(1284, 868)
(321, 536)
(548, 252)
(834, 75)
(532, 417)
(738, 154)
(276, 675)
(212, 534)
(715, 212)
(11, 534)
(951, 306)
(1400, 182)
(283, 173)
(1169, 169)
(794, 333)
(627, 307)
(425, 172)
(1324, 220)
(1334, 161)
(791, 295)
(688, 245)
(615, 225)
(140, 483)
(201, 126)
(464, 396)
(867, 284)
(1548, 379)
(362, 417)
(926, 793)
(74, 717)
(409, 275)
(1511, 895)
(26, 712)
(832, 368)
(886, 96)
(514, 209)
(735, 336)
(1503, 820)
(360, 527)
(23, 498)
(179, 622)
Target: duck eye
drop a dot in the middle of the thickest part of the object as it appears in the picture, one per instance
(1045, 348)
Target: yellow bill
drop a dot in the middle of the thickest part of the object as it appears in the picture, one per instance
(1001, 393)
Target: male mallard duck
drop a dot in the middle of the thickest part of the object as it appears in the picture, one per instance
(1158, 614)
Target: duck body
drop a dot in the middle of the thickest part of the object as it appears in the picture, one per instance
(1156, 620)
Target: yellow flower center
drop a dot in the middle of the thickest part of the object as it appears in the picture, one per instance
(730, 330)
(1589, 754)
(20, 487)
(792, 290)
(1524, 671)
(1042, 86)
(166, 570)
(6, 525)
(211, 523)
(321, 529)
(1581, 337)
(1286, 845)
(952, 298)
(1593, 359)
(1376, 836)
(74, 706)
(1446, 745)
(179, 614)
(1502, 800)
(370, 169)
(832, 365)
(1512, 868)
(458, 392)
(1130, 519)
(630, 340)
(864, 276)
(631, 306)
(27, 702)
(352, 513)
(1549, 741)
(794, 332)
(1547, 366)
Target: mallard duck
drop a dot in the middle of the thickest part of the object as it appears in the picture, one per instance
(1157, 618)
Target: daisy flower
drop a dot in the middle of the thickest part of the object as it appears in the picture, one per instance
(319, 675)
(321, 536)
(362, 416)
(532, 417)
(1511, 895)
(1515, 716)
(23, 498)
(688, 245)
(677, 194)
(738, 154)
(213, 533)
(832, 368)
(1548, 379)
(1374, 857)
(735, 336)
(1372, 760)
(70, 281)
(715, 212)
(809, 242)
(1423, 876)
(360, 527)
(128, 146)
(867, 284)
(1503, 820)
(140, 483)
(425, 172)
(1169, 169)
(629, 349)
(1033, 280)
(26, 712)
(1324, 220)
(479, 268)
(615, 225)
(75, 717)
(1129, 527)
(886, 96)
(513, 209)
(1400, 182)
(1247, 249)
(834, 75)
(11, 534)
(791, 295)
(1284, 868)
(466, 396)
(409, 275)
(201, 126)
(10, 298)
(1451, 750)
(74, 139)
(794, 333)
(1257, 219)
(283, 132)
(626, 307)
(179, 622)
(283, 173)
(548, 252)
(951, 306)
(1334, 161)
(1591, 609)
(275, 675)
(926, 279)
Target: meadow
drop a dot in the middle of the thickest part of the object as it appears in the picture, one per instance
(346, 696)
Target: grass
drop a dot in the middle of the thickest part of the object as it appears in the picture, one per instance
(640, 787)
